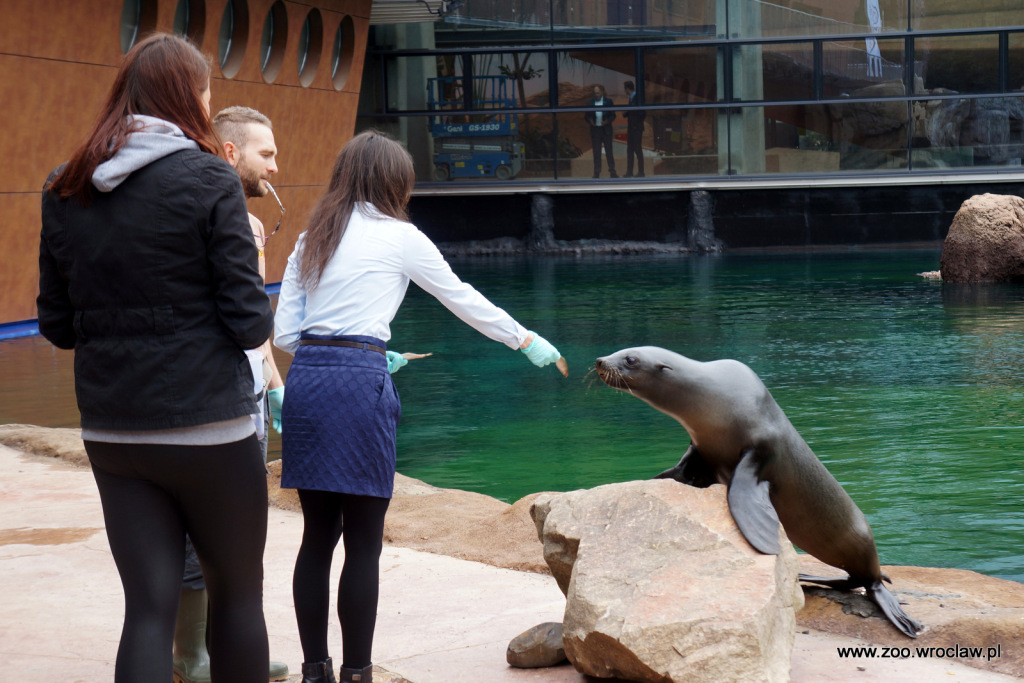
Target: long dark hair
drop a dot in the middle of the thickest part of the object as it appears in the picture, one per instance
(162, 76)
(371, 168)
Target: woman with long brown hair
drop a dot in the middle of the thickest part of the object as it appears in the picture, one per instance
(343, 285)
(148, 270)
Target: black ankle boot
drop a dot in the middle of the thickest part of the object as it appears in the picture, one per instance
(318, 672)
(357, 675)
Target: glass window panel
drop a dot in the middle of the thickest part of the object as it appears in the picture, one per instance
(774, 71)
(310, 46)
(800, 139)
(586, 21)
(680, 75)
(933, 15)
(341, 57)
(580, 71)
(518, 79)
(233, 37)
(816, 139)
(849, 66)
(1016, 66)
(181, 17)
(681, 142)
(227, 32)
(962, 132)
(408, 79)
(497, 80)
(483, 23)
(131, 10)
(546, 152)
(782, 18)
(962, 64)
(859, 136)
(1016, 70)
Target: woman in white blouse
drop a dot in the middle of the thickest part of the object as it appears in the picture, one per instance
(342, 287)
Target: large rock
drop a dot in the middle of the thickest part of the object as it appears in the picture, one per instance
(661, 586)
(985, 243)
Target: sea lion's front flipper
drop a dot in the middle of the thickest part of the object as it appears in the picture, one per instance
(890, 605)
(751, 506)
(691, 470)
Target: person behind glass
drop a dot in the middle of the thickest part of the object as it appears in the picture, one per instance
(601, 131)
(247, 141)
(634, 132)
(147, 270)
(343, 285)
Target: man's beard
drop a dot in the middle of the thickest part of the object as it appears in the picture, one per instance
(251, 181)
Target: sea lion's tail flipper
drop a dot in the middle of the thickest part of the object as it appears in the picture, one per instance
(751, 506)
(890, 605)
(878, 594)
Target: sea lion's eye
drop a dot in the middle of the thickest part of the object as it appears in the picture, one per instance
(632, 361)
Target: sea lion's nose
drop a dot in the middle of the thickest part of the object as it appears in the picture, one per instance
(599, 363)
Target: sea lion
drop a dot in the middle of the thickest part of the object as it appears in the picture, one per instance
(740, 437)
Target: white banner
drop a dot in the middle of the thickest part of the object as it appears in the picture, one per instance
(874, 54)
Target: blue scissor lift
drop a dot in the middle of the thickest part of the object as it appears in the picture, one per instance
(476, 145)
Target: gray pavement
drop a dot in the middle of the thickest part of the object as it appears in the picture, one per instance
(440, 620)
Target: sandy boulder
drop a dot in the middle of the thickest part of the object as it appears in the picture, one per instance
(985, 242)
(661, 586)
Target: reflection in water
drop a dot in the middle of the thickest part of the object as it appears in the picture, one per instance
(909, 390)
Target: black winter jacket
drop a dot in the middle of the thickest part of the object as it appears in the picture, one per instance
(156, 287)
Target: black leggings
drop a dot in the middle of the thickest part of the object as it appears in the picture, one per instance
(151, 496)
(325, 516)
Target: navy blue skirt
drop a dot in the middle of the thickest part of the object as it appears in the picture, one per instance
(339, 419)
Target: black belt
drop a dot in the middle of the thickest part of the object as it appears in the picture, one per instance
(342, 342)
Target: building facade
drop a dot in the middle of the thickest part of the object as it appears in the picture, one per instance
(728, 88)
(808, 121)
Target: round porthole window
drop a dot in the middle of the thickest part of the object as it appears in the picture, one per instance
(311, 40)
(138, 18)
(234, 32)
(190, 20)
(274, 41)
(341, 58)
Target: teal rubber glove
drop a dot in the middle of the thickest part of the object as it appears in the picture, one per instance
(540, 351)
(395, 362)
(275, 398)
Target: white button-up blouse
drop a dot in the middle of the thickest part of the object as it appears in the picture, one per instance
(365, 282)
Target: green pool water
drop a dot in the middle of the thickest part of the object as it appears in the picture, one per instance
(910, 391)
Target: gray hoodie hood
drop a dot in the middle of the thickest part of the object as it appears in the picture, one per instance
(152, 139)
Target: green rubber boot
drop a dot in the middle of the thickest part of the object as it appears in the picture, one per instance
(191, 658)
(278, 671)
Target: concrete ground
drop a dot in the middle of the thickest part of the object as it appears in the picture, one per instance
(441, 620)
